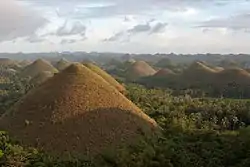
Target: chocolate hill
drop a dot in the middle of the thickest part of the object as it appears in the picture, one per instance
(218, 69)
(105, 76)
(62, 64)
(24, 63)
(198, 70)
(76, 111)
(199, 67)
(233, 75)
(41, 77)
(164, 72)
(36, 67)
(197, 74)
(139, 69)
(7, 62)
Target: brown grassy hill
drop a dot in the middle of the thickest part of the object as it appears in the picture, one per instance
(200, 67)
(164, 72)
(41, 77)
(198, 70)
(74, 112)
(233, 75)
(24, 63)
(197, 74)
(247, 69)
(62, 64)
(139, 69)
(105, 76)
(7, 62)
(218, 69)
(36, 67)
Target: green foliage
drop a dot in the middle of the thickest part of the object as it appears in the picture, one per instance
(196, 132)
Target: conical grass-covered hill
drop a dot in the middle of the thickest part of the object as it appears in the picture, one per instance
(164, 72)
(164, 78)
(139, 69)
(198, 70)
(62, 64)
(199, 67)
(233, 75)
(41, 77)
(105, 76)
(76, 112)
(198, 74)
(36, 67)
(24, 63)
(7, 62)
(218, 69)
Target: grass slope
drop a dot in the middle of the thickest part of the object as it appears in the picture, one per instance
(105, 76)
(76, 111)
(36, 67)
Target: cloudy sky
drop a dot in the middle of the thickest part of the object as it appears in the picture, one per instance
(135, 26)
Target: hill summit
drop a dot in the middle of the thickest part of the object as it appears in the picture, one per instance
(76, 112)
(200, 67)
(139, 69)
(36, 67)
(105, 76)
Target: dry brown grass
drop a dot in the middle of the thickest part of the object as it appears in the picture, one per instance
(197, 74)
(198, 70)
(7, 62)
(105, 76)
(41, 77)
(164, 72)
(218, 69)
(24, 63)
(233, 75)
(139, 69)
(62, 64)
(36, 67)
(200, 67)
(76, 111)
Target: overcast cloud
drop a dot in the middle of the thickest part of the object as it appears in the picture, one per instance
(125, 25)
(235, 22)
(18, 21)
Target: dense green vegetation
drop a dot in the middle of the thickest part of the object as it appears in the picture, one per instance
(12, 87)
(195, 132)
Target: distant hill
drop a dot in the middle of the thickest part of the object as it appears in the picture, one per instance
(197, 73)
(36, 67)
(165, 63)
(62, 64)
(139, 69)
(234, 75)
(218, 69)
(7, 62)
(164, 72)
(41, 77)
(24, 63)
(76, 112)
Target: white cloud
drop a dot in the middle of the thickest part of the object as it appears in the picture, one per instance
(76, 28)
(235, 22)
(17, 21)
(147, 28)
